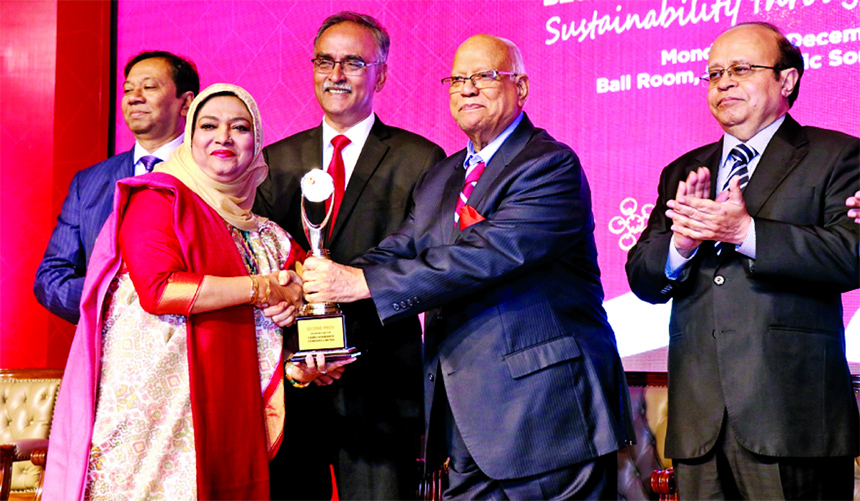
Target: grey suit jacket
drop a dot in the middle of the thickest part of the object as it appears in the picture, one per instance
(763, 339)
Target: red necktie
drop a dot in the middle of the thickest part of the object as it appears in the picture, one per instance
(337, 172)
(469, 185)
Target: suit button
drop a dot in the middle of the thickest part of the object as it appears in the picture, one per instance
(719, 280)
(431, 377)
(409, 302)
(395, 306)
(416, 300)
(403, 304)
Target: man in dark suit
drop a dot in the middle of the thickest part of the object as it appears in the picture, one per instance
(524, 389)
(760, 398)
(158, 89)
(368, 425)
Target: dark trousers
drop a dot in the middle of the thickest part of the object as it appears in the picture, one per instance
(595, 479)
(729, 471)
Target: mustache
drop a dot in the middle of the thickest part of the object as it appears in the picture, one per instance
(337, 86)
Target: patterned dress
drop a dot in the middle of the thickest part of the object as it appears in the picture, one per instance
(143, 439)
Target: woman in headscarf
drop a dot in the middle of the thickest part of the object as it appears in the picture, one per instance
(173, 388)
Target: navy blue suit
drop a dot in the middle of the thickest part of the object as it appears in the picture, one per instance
(515, 322)
(60, 276)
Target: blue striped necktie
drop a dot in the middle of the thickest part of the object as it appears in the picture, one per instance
(739, 158)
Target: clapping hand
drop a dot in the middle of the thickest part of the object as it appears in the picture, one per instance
(855, 203)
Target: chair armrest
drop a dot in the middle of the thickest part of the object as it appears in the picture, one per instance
(22, 450)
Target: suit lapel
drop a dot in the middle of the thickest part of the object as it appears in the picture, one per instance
(311, 150)
(371, 156)
(709, 158)
(453, 187)
(127, 168)
(785, 150)
(512, 147)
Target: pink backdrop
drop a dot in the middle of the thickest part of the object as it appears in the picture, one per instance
(573, 52)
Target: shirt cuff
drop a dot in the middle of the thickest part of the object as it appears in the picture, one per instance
(747, 248)
(675, 262)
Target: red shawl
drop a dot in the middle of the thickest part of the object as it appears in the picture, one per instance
(226, 401)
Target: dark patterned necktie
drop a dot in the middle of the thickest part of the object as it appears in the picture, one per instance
(741, 155)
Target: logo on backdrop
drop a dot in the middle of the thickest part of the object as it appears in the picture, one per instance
(630, 224)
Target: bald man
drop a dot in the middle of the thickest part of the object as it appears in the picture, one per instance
(523, 386)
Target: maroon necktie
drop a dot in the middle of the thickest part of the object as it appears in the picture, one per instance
(472, 177)
(338, 174)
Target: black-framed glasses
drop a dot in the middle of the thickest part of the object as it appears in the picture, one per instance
(481, 79)
(736, 71)
(350, 67)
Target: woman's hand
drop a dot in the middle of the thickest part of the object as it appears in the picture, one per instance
(281, 296)
(319, 371)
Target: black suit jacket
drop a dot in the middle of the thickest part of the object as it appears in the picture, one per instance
(372, 411)
(763, 339)
(514, 308)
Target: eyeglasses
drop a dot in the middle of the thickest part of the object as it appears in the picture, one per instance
(351, 67)
(481, 80)
(736, 71)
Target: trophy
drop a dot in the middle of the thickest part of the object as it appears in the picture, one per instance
(321, 326)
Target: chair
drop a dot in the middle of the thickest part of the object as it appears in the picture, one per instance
(27, 398)
(639, 463)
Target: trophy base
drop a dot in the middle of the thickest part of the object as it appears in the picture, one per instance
(318, 310)
(330, 355)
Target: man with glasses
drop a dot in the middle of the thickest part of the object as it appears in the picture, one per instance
(750, 239)
(523, 382)
(367, 425)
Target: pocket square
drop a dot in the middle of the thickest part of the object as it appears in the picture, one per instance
(469, 216)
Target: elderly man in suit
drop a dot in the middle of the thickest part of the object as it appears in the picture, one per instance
(524, 388)
(750, 238)
(158, 89)
(368, 424)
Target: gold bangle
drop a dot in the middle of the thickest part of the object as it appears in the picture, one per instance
(252, 299)
(296, 384)
(268, 289)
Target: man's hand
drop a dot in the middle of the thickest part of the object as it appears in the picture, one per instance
(328, 282)
(855, 203)
(286, 297)
(697, 185)
(723, 220)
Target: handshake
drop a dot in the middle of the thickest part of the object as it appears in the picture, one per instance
(319, 280)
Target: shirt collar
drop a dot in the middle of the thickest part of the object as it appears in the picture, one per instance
(163, 152)
(758, 142)
(357, 134)
(489, 150)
